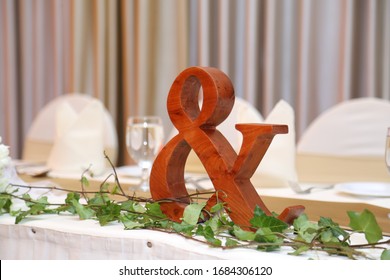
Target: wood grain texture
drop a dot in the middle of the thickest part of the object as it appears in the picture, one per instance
(197, 129)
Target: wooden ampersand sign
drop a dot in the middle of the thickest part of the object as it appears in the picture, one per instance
(230, 173)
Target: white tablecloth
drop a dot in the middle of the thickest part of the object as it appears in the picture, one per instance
(68, 237)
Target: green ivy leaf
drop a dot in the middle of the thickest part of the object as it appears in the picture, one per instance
(365, 222)
(300, 250)
(35, 208)
(192, 213)
(215, 223)
(138, 208)
(84, 181)
(305, 229)
(225, 221)
(42, 200)
(327, 236)
(165, 224)
(265, 235)
(70, 196)
(231, 242)
(385, 255)
(217, 207)
(243, 235)
(20, 217)
(154, 210)
(5, 203)
(129, 222)
(104, 187)
(83, 212)
(108, 213)
(258, 211)
(127, 205)
(333, 232)
(115, 189)
(132, 225)
(183, 228)
(261, 220)
(300, 221)
(208, 234)
(28, 199)
(133, 206)
(99, 200)
(334, 228)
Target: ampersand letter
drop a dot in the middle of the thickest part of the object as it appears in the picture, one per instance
(230, 173)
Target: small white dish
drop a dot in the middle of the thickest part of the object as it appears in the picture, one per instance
(374, 189)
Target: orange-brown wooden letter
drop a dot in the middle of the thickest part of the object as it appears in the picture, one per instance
(230, 173)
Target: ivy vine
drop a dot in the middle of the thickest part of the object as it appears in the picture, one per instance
(111, 205)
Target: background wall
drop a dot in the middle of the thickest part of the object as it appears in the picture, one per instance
(313, 54)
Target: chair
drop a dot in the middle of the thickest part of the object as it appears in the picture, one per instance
(40, 137)
(346, 143)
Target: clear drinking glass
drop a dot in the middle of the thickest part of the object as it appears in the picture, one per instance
(387, 150)
(144, 139)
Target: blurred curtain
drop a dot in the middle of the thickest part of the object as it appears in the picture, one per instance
(114, 50)
(127, 53)
(313, 54)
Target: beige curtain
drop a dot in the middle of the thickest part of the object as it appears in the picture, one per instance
(313, 54)
(127, 53)
(116, 51)
(154, 49)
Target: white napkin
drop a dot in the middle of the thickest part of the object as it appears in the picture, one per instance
(78, 143)
(278, 165)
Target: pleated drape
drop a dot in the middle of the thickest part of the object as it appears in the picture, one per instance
(127, 53)
(116, 51)
(313, 54)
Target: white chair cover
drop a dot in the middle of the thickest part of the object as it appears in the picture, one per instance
(346, 142)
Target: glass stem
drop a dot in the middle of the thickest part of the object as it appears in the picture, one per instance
(145, 176)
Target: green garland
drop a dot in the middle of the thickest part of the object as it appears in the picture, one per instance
(267, 232)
